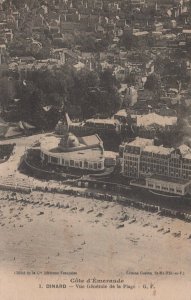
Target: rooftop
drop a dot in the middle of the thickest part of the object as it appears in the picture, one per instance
(140, 33)
(187, 31)
(102, 121)
(184, 149)
(49, 145)
(158, 150)
(140, 142)
(122, 112)
(153, 118)
(90, 140)
(110, 154)
(188, 156)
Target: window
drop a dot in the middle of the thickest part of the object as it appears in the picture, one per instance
(150, 185)
(85, 164)
(164, 188)
(99, 166)
(77, 164)
(179, 191)
(54, 160)
(95, 166)
(71, 163)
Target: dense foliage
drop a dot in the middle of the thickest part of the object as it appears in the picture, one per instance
(41, 93)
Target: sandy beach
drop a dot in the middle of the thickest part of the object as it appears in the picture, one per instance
(85, 238)
(89, 237)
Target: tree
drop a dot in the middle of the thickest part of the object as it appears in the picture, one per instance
(127, 40)
(153, 84)
(37, 89)
(7, 91)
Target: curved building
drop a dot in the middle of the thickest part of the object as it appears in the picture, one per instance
(65, 149)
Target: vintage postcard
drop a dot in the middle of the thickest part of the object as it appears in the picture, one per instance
(95, 149)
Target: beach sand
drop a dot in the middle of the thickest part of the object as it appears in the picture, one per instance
(92, 239)
(89, 237)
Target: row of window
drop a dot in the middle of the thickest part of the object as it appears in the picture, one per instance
(187, 167)
(130, 168)
(186, 161)
(157, 161)
(153, 155)
(76, 164)
(161, 162)
(154, 161)
(131, 163)
(132, 150)
(153, 167)
(148, 156)
(164, 188)
(159, 167)
(131, 158)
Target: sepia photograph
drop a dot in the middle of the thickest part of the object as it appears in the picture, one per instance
(95, 149)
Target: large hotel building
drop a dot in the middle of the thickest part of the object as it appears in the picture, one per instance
(160, 168)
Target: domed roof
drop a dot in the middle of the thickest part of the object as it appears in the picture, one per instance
(69, 141)
(72, 141)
